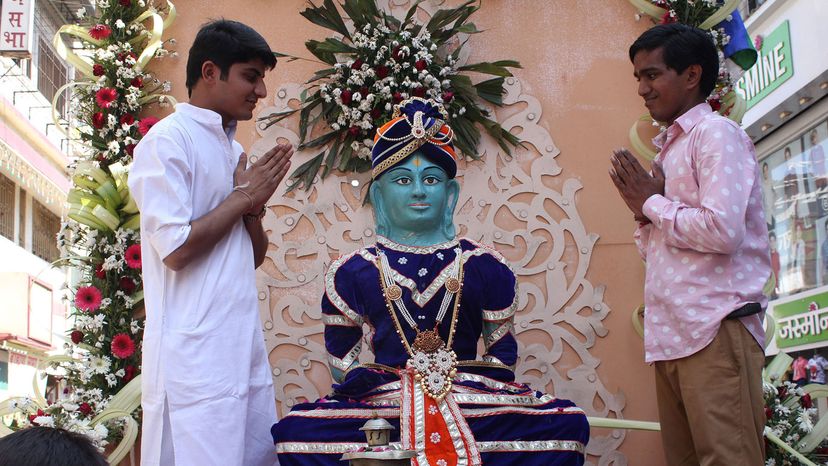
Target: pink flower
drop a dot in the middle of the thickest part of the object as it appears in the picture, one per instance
(448, 96)
(145, 125)
(122, 346)
(133, 256)
(88, 298)
(100, 31)
(105, 96)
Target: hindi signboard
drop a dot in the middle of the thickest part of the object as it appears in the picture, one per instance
(803, 320)
(17, 28)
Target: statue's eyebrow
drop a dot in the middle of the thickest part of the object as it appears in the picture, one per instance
(399, 169)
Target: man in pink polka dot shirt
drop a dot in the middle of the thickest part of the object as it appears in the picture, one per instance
(703, 235)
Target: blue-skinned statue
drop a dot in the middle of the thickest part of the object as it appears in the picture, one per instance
(427, 299)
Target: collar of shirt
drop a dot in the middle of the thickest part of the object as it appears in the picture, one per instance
(208, 118)
(683, 124)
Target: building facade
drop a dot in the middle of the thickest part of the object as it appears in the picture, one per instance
(33, 187)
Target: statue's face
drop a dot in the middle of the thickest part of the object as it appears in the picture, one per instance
(414, 195)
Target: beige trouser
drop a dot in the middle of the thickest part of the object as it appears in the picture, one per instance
(710, 403)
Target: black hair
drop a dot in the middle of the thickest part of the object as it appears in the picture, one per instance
(47, 446)
(226, 42)
(683, 46)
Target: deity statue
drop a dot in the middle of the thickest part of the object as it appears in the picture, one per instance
(427, 298)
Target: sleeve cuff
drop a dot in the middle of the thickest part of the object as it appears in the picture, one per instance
(168, 239)
(653, 206)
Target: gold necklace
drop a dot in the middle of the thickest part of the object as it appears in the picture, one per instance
(433, 361)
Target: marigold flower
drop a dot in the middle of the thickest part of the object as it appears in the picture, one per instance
(100, 31)
(145, 124)
(122, 346)
(133, 256)
(88, 298)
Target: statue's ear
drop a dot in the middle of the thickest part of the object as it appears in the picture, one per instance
(380, 217)
(452, 195)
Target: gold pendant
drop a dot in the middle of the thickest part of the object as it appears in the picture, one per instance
(393, 292)
(427, 341)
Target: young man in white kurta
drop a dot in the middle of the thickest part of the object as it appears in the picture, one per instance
(207, 390)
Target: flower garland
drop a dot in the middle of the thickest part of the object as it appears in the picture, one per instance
(101, 240)
(381, 61)
(716, 17)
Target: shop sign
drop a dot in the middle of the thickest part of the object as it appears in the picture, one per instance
(774, 67)
(803, 320)
(17, 28)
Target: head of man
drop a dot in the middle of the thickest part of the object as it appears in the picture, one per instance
(772, 241)
(48, 446)
(814, 137)
(226, 68)
(414, 192)
(676, 67)
(765, 171)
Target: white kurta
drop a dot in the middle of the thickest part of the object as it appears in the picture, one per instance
(207, 390)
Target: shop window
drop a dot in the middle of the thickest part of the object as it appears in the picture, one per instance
(45, 227)
(6, 207)
(795, 195)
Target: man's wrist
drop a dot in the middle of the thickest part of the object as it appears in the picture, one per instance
(257, 217)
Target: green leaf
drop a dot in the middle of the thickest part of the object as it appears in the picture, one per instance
(274, 118)
(298, 175)
(410, 13)
(441, 18)
(330, 160)
(331, 45)
(313, 47)
(326, 16)
(321, 74)
(491, 90)
(321, 140)
(345, 156)
(497, 68)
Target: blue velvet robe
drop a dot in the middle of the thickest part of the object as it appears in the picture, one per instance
(511, 424)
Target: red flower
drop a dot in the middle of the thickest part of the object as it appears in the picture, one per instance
(448, 96)
(768, 413)
(806, 401)
(397, 97)
(98, 70)
(127, 119)
(145, 125)
(381, 71)
(127, 285)
(76, 336)
(105, 96)
(346, 97)
(85, 409)
(668, 18)
(137, 82)
(98, 120)
(100, 272)
(100, 31)
(376, 112)
(129, 373)
(353, 131)
(364, 91)
(419, 91)
(125, 3)
(133, 256)
(129, 148)
(420, 65)
(715, 104)
(88, 298)
(122, 346)
(397, 53)
(356, 64)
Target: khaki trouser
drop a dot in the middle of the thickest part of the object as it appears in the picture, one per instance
(710, 404)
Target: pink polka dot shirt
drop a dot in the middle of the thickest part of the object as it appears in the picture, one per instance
(707, 246)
